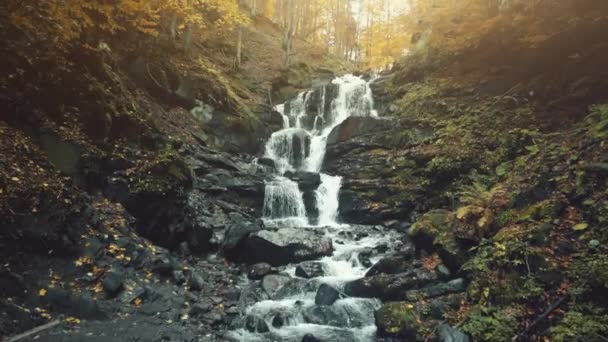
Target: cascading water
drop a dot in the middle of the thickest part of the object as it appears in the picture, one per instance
(300, 147)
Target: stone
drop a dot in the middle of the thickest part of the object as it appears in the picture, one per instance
(259, 270)
(200, 308)
(439, 289)
(389, 286)
(256, 324)
(278, 321)
(356, 126)
(326, 295)
(307, 181)
(325, 315)
(196, 282)
(272, 283)
(393, 264)
(285, 246)
(434, 231)
(310, 269)
(397, 319)
(310, 338)
(447, 333)
(179, 277)
(113, 281)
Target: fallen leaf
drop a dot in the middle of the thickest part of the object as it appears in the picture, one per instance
(42, 292)
(581, 226)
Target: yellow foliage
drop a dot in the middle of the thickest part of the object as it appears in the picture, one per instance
(72, 18)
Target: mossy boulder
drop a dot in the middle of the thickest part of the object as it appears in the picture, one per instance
(435, 230)
(398, 319)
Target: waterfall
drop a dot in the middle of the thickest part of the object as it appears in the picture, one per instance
(301, 146)
(297, 150)
(283, 202)
(327, 199)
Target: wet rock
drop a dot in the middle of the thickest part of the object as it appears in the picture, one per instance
(446, 333)
(284, 246)
(437, 307)
(237, 231)
(389, 286)
(272, 283)
(326, 295)
(392, 264)
(252, 294)
(278, 321)
(11, 284)
(259, 270)
(256, 324)
(357, 126)
(113, 281)
(70, 304)
(397, 319)
(200, 308)
(267, 162)
(310, 338)
(437, 290)
(307, 181)
(294, 287)
(435, 231)
(196, 282)
(162, 265)
(179, 277)
(325, 315)
(310, 269)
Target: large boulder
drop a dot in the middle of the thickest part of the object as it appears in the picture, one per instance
(389, 286)
(307, 181)
(356, 126)
(326, 295)
(285, 246)
(392, 264)
(310, 269)
(435, 231)
(397, 319)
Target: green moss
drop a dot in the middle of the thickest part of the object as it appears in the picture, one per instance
(398, 319)
(437, 227)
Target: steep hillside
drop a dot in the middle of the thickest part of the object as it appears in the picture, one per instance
(113, 162)
(493, 157)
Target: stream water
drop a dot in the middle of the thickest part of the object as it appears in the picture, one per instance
(301, 147)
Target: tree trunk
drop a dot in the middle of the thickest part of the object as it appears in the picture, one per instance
(239, 48)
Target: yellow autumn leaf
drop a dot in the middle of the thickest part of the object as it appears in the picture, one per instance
(137, 301)
(72, 320)
(42, 292)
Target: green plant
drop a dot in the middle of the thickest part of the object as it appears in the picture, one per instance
(492, 325)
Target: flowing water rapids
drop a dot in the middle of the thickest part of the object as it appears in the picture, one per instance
(301, 146)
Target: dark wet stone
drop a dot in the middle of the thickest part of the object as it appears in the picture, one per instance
(272, 283)
(326, 295)
(256, 324)
(392, 264)
(287, 245)
(307, 181)
(310, 338)
(325, 315)
(213, 318)
(389, 286)
(446, 333)
(196, 282)
(200, 308)
(259, 270)
(67, 303)
(162, 265)
(113, 281)
(310, 269)
(278, 321)
(179, 277)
